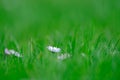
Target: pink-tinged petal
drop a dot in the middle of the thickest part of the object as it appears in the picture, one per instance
(7, 51)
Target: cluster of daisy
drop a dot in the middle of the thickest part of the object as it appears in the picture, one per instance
(58, 50)
(12, 52)
(50, 48)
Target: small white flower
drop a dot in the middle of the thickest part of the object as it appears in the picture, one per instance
(17, 54)
(53, 49)
(7, 51)
(64, 56)
(83, 55)
(12, 52)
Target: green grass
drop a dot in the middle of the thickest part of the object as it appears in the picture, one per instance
(77, 27)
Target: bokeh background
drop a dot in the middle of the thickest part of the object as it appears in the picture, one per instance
(28, 26)
(38, 17)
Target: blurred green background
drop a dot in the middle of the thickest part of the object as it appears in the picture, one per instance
(37, 23)
(41, 17)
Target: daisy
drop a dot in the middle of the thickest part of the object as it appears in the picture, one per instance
(54, 49)
(12, 52)
(64, 56)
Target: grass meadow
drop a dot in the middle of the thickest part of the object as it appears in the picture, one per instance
(88, 30)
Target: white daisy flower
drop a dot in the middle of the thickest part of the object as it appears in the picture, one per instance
(12, 52)
(7, 51)
(83, 55)
(64, 56)
(53, 49)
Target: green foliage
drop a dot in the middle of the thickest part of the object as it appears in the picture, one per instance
(87, 29)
